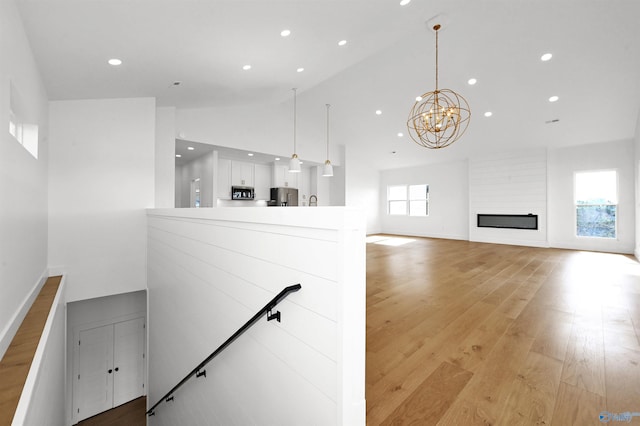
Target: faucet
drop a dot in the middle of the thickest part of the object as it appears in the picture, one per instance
(313, 201)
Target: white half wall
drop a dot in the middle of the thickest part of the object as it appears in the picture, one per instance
(23, 179)
(101, 177)
(42, 399)
(509, 183)
(448, 201)
(563, 163)
(211, 270)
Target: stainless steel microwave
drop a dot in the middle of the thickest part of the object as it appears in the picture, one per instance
(242, 193)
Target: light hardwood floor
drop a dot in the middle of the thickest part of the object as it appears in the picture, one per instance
(462, 333)
(130, 414)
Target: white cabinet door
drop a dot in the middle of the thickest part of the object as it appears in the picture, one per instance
(263, 182)
(128, 361)
(224, 179)
(282, 177)
(110, 367)
(95, 372)
(242, 173)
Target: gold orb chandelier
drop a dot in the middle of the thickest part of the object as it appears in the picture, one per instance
(438, 118)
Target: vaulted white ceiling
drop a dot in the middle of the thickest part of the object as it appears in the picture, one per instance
(388, 61)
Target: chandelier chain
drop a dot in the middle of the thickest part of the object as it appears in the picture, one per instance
(437, 27)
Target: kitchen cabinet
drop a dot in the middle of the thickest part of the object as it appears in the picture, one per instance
(282, 177)
(224, 179)
(242, 173)
(263, 181)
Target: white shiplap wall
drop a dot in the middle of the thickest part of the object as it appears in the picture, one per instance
(509, 183)
(210, 270)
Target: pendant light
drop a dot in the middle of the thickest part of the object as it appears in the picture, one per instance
(327, 170)
(294, 162)
(438, 118)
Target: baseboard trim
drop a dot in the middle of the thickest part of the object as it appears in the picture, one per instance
(7, 334)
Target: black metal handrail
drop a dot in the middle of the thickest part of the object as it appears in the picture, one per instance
(196, 371)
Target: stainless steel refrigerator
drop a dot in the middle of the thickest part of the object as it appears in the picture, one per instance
(284, 197)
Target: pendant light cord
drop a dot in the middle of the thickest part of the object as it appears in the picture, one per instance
(294, 119)
(328, 106)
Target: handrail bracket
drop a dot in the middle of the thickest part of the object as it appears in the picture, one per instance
(271, 316)
(199, 371)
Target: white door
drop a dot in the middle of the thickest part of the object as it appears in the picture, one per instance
(128, 361)
(110, 367)
(95, 371)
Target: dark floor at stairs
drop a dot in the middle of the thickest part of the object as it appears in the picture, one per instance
(130, 414)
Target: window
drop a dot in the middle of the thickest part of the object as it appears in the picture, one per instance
(411, 200)
(26, 134)
(596, 200)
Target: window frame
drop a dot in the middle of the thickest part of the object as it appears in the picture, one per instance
(576, 206)
(407, 200)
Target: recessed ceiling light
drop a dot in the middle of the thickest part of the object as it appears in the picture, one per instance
(300, 69)
(178, 155)
(400, 134)
(546, 57)
(190, 148)
(418, 98)
(404, 2)
(277, 158)
(246, 67)
(115, 62)
(553, 98)
(472, 81)
(342, 42)
(250, 154)
(285, 33)
(488, 114)
(378, 112)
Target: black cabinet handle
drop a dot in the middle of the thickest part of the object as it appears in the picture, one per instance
(117, 368)
(109, 371)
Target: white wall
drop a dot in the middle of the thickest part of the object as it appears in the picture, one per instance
(563, 163)
(202, 168)
(210, 270)
(23, 179)
(165, 159)
(509, 183)
(448, 201)
(362, 189)
(101, 178)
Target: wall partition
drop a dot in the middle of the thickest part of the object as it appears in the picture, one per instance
(211, 270)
